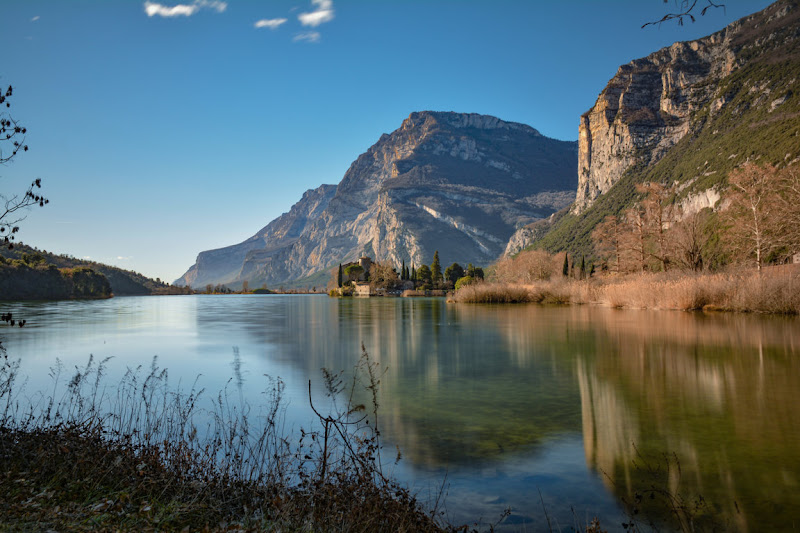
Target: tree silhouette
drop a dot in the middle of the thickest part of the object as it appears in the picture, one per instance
(686, 9)
(436, 270)
(424, 276)
(12, 142)
(453, 273)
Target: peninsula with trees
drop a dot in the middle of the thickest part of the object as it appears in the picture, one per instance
(367, 278)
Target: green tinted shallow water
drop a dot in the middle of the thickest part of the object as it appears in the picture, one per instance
(578, 403)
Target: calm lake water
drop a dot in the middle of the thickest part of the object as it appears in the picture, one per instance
(572, 409)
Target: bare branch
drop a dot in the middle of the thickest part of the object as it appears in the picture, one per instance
(685, 10)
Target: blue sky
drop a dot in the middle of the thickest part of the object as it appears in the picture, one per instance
(161, 129)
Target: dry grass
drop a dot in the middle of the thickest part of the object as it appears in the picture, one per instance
(775, 290)
(502, 293)
(144, 458)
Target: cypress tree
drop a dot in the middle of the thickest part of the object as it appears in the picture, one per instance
(565, 268)
(583, 268)
(436, 270)
(339, 278)
(403, 271)
(413, 273)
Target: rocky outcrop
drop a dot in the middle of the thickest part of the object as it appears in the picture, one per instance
(453, 182)
(647, 106)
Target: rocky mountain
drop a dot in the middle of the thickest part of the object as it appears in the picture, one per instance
(688, 113)
(225, 265)
(457, 183)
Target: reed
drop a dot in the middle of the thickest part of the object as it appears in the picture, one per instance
(775, 290)
(143, 455)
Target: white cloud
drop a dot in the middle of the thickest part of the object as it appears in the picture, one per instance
(269, 23)
(186, 10)
(309, 36)
(34, 19)
(323, 13)
(122, 258)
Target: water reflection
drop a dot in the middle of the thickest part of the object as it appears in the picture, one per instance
(505, 400)
(719, 392)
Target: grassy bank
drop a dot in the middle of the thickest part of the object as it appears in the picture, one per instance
(775, 290)
(146, 457)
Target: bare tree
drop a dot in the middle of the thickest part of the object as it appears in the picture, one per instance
(688, 238)
(685, 9)
(383, 276)
(634, 240)
(528, 266)
(789, 207)
(659, 213)
(12, 142)
(607, 237)
(755, 225)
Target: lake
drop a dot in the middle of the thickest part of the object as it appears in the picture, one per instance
(573, 410)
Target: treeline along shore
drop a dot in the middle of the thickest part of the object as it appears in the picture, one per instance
(27, 273)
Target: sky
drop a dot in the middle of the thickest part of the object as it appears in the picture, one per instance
(162, 129)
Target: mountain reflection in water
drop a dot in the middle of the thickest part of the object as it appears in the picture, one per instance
(506, 401)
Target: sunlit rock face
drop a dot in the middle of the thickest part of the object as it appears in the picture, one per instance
(647, 107)
(457, 183)
(225, 264)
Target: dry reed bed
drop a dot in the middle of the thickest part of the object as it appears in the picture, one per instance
(775, 290)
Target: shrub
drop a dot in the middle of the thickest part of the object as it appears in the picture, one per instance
(463, 282)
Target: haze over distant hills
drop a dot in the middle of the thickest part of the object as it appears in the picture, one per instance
(454, 182)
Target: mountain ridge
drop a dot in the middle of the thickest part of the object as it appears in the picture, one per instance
(457, 182)
(686, 114)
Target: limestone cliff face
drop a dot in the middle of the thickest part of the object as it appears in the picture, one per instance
(457, 183)
(646, 107)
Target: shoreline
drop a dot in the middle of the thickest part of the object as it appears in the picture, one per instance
(775, 291)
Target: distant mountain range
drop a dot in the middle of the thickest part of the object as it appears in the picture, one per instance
(457, 183)
(475, 187)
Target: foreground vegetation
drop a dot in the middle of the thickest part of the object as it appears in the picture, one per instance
(146, 457)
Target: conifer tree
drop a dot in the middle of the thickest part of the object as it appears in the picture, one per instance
(403, 271)
(339, 277)
(565, 268)
(583, 268)
(436, 270)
